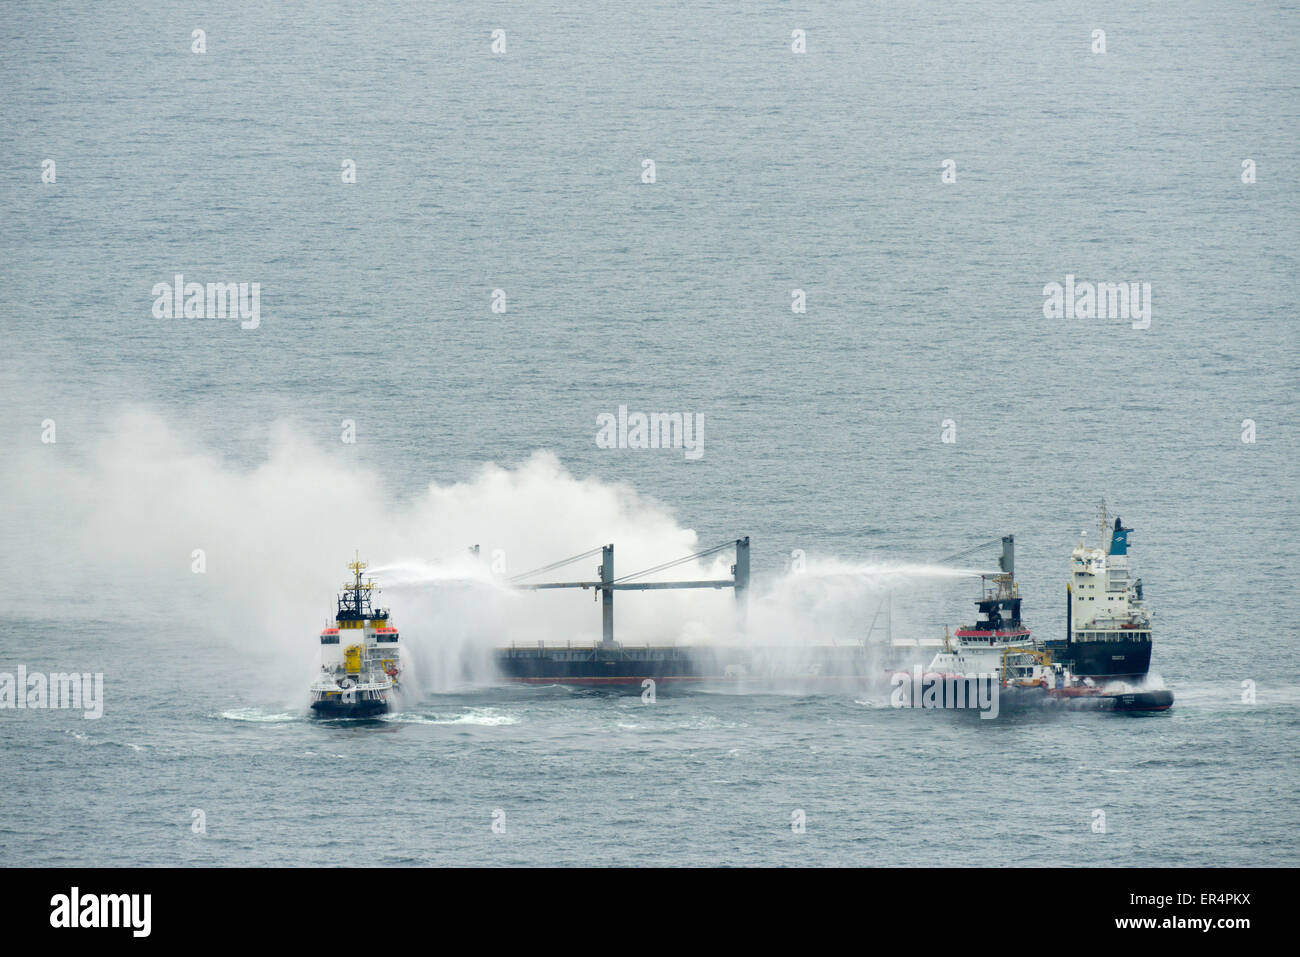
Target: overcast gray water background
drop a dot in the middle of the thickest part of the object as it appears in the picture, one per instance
(774, 171)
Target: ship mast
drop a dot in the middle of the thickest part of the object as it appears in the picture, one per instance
(355, 600)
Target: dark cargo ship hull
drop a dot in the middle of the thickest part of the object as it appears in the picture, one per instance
(666, 664)
(815, 667)
(1123, 659)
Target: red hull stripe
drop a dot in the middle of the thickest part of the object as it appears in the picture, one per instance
(640, 678)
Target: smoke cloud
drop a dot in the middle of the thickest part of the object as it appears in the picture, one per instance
(147, 525)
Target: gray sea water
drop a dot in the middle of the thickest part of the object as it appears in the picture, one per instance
(522, 171)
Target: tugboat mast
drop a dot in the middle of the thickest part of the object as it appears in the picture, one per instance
(354, 603)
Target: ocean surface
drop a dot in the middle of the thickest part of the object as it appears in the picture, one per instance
(180, 495)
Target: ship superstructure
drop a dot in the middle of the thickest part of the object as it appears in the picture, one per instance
(360, 655)
(999, 636)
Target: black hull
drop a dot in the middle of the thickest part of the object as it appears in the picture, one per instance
(1126, 658)
(669, 664)
(816, 668)
(1108, 661)
(1144, 701)
(1092, 699)
(358, 709)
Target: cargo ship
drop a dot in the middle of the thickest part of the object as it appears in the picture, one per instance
(360, 657)
(1107, 625)
(1097, 664)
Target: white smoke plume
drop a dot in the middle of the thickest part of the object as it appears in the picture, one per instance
(109, 529)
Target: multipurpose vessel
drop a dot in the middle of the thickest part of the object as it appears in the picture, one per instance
(360, 656)
(1101, 662)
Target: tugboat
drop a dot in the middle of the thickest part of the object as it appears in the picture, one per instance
(1032, 672)
(360, 659)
